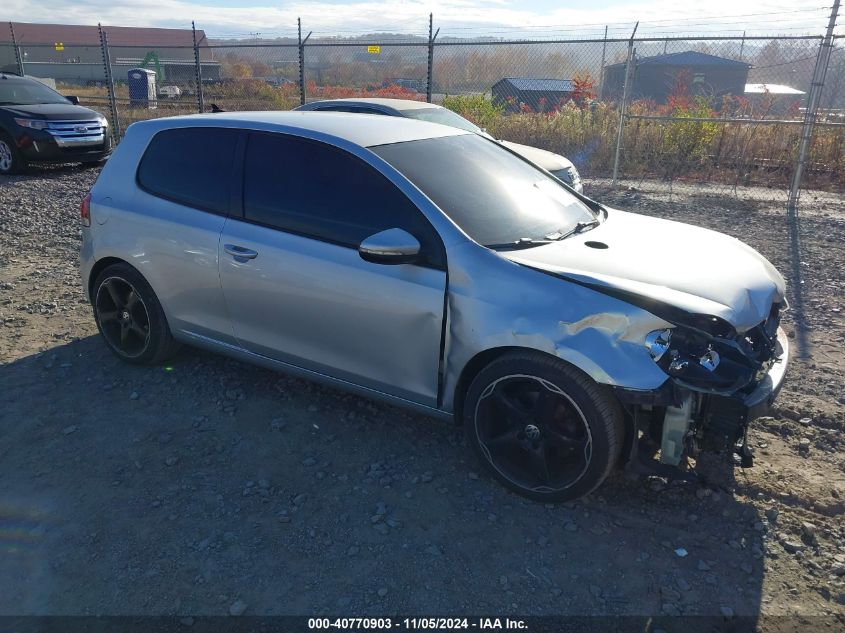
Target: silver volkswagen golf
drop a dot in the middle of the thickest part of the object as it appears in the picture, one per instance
(434, 269)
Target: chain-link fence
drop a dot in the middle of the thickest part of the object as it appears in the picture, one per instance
(722, 114)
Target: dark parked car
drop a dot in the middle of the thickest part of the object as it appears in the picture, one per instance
(39, 124)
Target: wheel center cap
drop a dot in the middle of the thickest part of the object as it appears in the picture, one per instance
(125, 315)
(531, 432)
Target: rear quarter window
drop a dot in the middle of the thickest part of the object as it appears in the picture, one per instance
(191, 166)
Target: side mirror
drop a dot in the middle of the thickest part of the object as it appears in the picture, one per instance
(73, 99)
(393, 246)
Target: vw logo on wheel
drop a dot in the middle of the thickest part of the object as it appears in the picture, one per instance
(532, 432)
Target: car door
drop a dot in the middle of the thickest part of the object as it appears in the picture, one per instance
(296, 287)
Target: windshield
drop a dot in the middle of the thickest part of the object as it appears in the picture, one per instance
(27, 92)
(493, 195)
(442, 116)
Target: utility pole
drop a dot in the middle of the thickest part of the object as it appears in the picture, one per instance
(626, 88)
(742, 47)
(813, 99)
(431, 38)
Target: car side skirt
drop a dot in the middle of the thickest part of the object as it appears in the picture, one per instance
(238, 353)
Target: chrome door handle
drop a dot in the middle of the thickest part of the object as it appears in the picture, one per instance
(240, 251)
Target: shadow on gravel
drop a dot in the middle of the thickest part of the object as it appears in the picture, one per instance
(187, 488)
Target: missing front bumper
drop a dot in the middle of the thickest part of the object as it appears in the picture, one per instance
(725, 418)
(682, 421)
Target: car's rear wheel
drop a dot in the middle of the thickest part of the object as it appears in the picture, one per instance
(542, 427)
(11, 161)
(130, 317)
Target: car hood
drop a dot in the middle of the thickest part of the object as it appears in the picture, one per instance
(545, 159)
(53, 112)
(684, 266)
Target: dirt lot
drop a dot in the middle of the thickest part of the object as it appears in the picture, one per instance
(212, 487)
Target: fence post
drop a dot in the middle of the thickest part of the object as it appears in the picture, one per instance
(431, 38)
(197, 70)
(18, 56)
(104, 47)
(601, 69)
(813, 100)
(301, 60)
(626, 87)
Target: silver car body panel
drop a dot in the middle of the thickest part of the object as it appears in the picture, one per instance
(350, 129)
(320, 306)
(497, 304)
(737, 284)
(402, 332)
(174, 247)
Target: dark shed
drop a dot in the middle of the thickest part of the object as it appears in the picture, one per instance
(657, 77)
(537, 94)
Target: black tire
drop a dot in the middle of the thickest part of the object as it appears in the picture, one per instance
(130, 317)
(93, 163)
(11, 159)
(557, 445)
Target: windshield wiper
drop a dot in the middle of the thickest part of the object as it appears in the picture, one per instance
(522, 242)
(527, 242)
(579, 227)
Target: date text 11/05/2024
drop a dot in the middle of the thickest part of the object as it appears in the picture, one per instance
(488, 624)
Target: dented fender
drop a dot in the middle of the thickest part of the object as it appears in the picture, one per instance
(601, 335)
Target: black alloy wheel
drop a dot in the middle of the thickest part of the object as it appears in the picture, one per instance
(542, 427)
(533, 433)
(123, 317)
(130, 317)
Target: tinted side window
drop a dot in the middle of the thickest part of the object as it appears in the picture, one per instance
(191, 166)
(318, 191)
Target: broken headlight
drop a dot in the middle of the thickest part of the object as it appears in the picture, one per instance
(657, 343)
(699, 360)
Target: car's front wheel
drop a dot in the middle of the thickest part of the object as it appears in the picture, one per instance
(11, 161)
(130, 317)
(542, 427)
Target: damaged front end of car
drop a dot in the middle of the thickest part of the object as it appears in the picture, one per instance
(719, 381)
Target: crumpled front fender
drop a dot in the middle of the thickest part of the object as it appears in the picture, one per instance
(494, 303)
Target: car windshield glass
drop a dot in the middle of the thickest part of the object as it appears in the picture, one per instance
(494, 196)
(442, 116)
(27, 92)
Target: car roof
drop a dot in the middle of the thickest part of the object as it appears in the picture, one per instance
(366, 130)
(398, 104)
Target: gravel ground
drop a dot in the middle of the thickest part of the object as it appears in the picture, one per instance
(212, 487)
